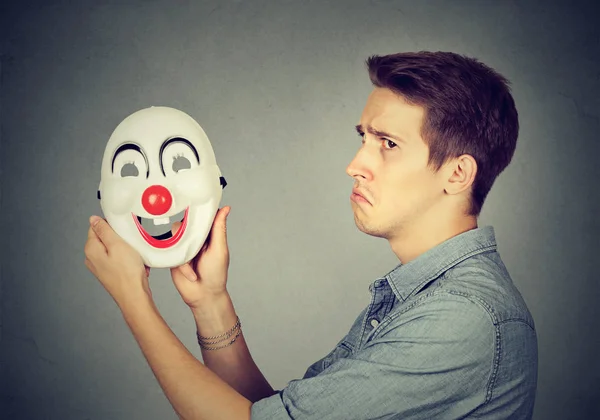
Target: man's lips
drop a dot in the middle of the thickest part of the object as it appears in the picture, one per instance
(159, 235)
(358, 197)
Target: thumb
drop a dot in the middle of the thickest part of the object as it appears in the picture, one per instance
(103, 230)
(219, 234)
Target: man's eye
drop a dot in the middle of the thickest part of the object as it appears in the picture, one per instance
(362, 136)
(389, 144)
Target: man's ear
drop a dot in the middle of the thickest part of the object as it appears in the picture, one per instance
(461, 174)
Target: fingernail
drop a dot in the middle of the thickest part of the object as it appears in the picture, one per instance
(192, 277)
(94, 220)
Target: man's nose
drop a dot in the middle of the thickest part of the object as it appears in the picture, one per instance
(359, 167)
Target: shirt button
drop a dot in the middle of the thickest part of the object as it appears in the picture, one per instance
(374, 323)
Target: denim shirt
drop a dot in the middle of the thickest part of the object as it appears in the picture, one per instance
(446, 336)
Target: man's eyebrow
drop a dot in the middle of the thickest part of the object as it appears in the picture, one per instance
(360, 129)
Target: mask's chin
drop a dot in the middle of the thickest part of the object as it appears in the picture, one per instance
(157, 232)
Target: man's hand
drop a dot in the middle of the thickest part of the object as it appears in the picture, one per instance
(205, 277)
(214, 313)
(193, 389)
(115, 263)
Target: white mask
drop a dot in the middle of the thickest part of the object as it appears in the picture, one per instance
(159, 168)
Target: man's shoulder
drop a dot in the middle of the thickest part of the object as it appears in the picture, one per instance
(439, 310)
(483, 280)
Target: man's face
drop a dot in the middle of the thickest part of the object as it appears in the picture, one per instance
(390, 169)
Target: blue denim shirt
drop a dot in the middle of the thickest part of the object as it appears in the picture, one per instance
(446, 336)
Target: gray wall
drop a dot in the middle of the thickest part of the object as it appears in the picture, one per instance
(278, 87)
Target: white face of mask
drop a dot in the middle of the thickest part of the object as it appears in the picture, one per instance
(159, 168)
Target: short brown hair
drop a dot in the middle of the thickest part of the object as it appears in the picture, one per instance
(468, 110)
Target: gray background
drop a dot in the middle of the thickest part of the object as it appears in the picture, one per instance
(278, 87)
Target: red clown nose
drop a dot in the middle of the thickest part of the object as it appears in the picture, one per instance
(157, 200)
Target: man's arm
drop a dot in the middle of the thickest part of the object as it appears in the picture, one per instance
(233, 363)
(194, 391)
(202, 284)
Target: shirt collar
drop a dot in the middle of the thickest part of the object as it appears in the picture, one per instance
(407, 279)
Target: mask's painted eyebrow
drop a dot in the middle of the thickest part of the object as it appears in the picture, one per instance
(173, 140)
(360, 130)
(130, 146)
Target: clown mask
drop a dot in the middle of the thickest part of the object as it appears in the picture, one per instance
(159, 168)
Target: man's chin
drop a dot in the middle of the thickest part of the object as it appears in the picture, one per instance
(369, 230)
(384, 231)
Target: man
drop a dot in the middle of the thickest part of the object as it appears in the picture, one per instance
(447, 335)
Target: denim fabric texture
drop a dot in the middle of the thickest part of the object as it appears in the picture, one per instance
(446, 336)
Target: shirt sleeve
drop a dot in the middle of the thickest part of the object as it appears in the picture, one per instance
(435, 360)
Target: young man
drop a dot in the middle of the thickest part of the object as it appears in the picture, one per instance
(447, 334)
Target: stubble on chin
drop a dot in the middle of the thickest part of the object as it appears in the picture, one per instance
(362, 223)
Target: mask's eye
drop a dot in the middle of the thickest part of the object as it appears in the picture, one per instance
(129, 163)
(129, 169)
(178, 156)
(180, 163)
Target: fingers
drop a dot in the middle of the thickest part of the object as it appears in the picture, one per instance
(188, 272)
(224, 213)
(93, 245)
(103, 230)
(89, 265)
(91, 233)
(218, 233)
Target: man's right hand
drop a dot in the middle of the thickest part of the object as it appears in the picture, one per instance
(214, 313)
(204, 278)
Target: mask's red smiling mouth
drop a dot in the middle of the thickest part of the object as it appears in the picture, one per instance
(159, 235)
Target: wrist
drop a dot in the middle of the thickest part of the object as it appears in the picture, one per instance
(215, 316)
(131, 299)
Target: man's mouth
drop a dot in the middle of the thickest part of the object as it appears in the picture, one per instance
(157, 231)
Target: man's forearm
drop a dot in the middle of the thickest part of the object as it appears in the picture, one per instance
(194, 391)
(233, 363)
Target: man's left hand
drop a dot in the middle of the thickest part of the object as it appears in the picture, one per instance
(115, 263)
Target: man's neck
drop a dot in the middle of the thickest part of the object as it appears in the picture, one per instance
(426, 234)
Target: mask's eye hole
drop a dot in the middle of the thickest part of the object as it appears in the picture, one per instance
(129, 163)
(180, 163)
(178, 156)
(129, 169)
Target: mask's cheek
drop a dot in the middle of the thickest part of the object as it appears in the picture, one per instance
(200, 221)
(120, 196)
(198, 185)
